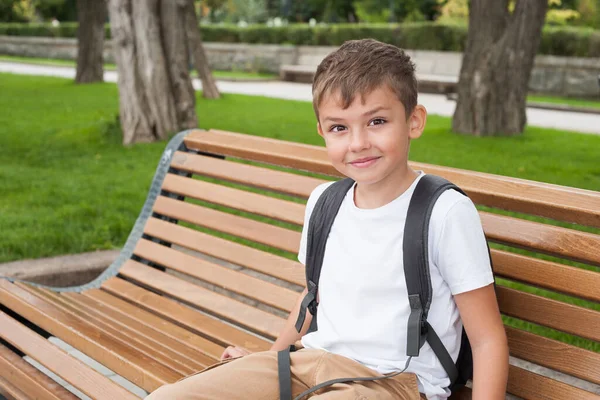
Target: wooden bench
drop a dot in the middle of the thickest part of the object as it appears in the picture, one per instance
(211, 263)
(428, 83)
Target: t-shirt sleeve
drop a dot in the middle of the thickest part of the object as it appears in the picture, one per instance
(461, 253)
(310, 204)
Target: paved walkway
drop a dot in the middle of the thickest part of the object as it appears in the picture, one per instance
(435, 104)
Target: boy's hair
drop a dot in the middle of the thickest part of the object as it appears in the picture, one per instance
(361, 66)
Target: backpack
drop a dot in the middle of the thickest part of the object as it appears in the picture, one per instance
(416, 270)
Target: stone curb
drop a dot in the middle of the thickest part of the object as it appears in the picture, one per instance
(549, 106)
(225, 79)
(564, 107)
(66, 270)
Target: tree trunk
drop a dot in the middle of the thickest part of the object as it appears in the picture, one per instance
(176, 51)
(496, 68)
(136, 120)
(209, 86)
(152, 65)
(155, 91)
(91, 15)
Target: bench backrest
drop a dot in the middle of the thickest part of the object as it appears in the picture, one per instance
(233, 207)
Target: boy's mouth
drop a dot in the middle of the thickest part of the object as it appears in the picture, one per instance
(364, 162)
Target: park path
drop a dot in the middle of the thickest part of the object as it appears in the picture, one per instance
(435, 104)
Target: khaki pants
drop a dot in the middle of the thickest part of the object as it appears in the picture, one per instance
(255, 377)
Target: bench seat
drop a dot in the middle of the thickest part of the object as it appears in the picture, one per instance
(428, 83)
(211, 262)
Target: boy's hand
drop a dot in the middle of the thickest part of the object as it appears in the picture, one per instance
(234, 352)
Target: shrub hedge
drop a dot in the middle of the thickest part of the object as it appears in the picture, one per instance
(560, 41)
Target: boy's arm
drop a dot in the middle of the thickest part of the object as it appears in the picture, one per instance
(289, 335)
(483, 324)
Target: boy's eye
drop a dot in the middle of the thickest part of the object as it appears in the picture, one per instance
(378, 121)
(337, 128)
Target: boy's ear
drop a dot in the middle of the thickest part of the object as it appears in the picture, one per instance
(319, 129)
(417, 122)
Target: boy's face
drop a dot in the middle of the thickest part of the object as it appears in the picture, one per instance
(369, 141)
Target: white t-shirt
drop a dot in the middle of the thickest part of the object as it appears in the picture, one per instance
(363, 308)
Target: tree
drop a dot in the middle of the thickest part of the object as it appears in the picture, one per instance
(63, 10)
(16, 10)
(194, 40)
(330, 10)
(252, 11)
(91, 15)
(396, 11)
(454, 11)
(497, 63)
(155, 91)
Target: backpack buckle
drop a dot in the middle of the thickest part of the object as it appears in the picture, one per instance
(417, 328)
(309, 302)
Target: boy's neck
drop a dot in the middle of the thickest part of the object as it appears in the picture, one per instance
(381, 193)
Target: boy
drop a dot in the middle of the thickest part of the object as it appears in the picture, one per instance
(365, 101)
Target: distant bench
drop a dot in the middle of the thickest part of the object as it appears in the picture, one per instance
(427, 83)
(211, 262)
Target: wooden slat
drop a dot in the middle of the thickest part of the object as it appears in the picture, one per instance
(235, 253)
(259, 232)
(56, 360)
(225, 307)
(184, 316)
(553, 354)
(10, 391)
(254, 203)
(551, 313)
(532, 386)
(266, 150)
(28, 380)
(250, 175)
(557, 202)
(126, 337)
(196, 345)
(547, 200)
(542, 238)
(546, 274)
(235, 281)
(178, 351)
(137, 368)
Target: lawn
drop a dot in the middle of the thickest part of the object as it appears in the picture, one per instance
(589, 103)
(108, 66)
(69, 186)
(60, 148)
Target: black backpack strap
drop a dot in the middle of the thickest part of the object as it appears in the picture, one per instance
(442, 354)
(416, 269)
(319, 226)
(285, 373)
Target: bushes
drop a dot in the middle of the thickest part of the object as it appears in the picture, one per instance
(423, 36)
(561, 41)
(67, 29)
(64, 30)
(581, 42)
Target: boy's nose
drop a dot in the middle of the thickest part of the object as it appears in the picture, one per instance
(359, 140)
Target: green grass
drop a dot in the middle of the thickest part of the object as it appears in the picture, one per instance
(110, 66)
(60, 148)
(69, 186)
(47, 61)
(589, 103)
